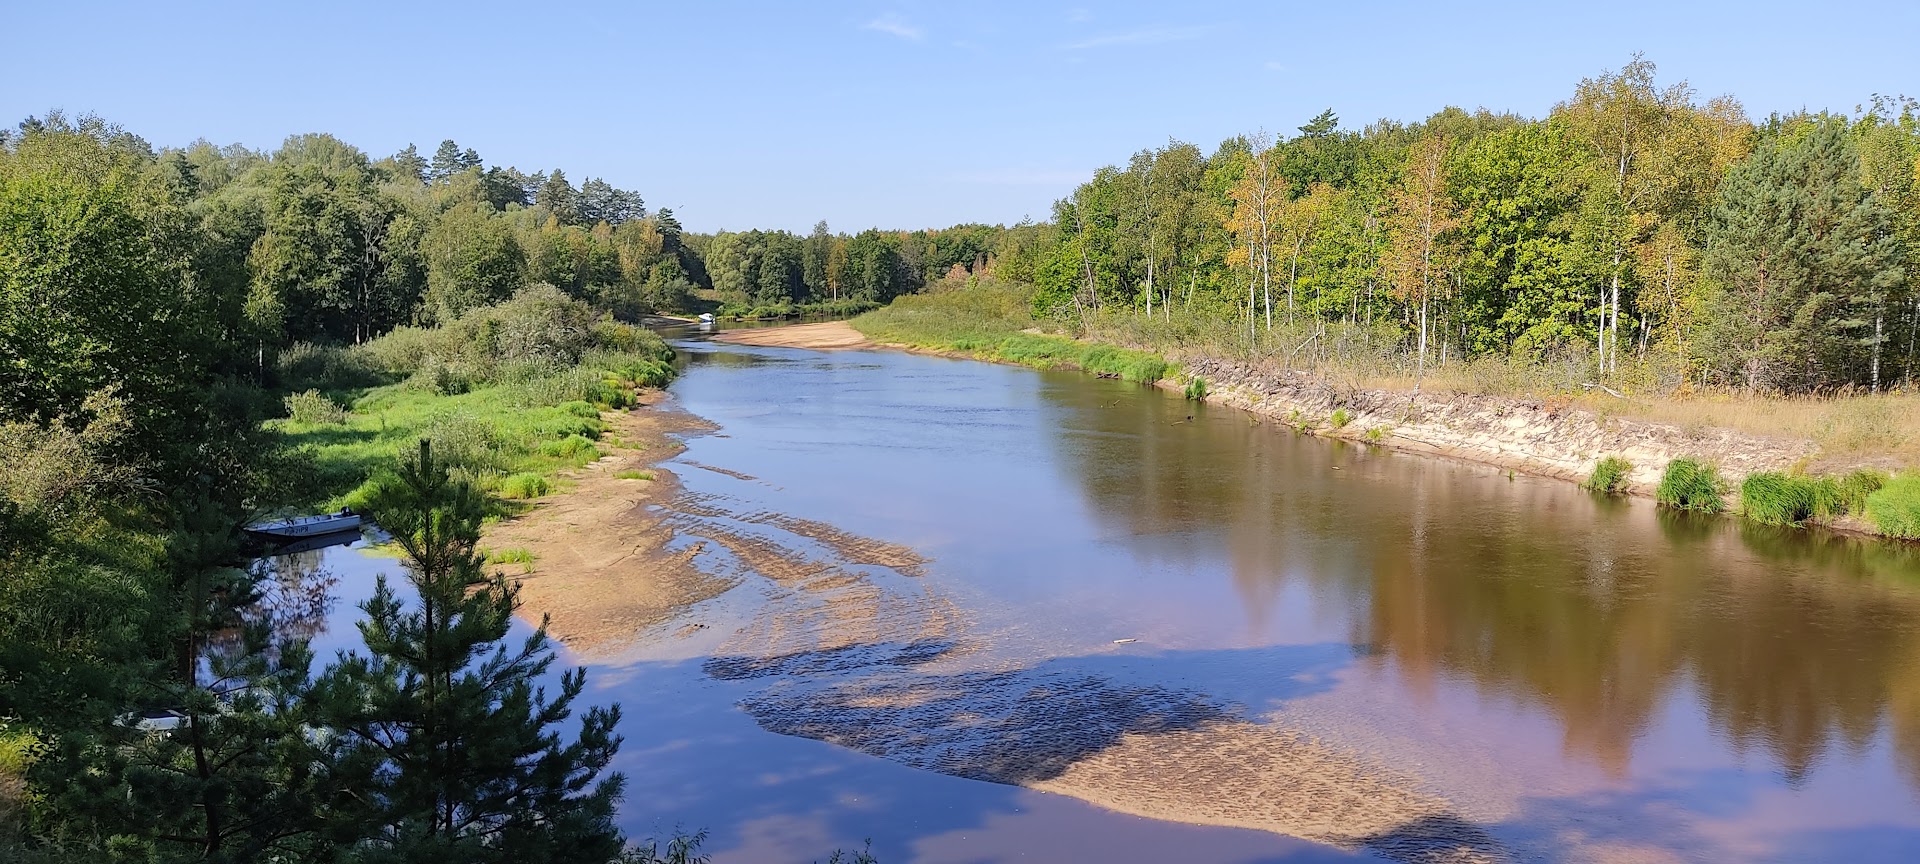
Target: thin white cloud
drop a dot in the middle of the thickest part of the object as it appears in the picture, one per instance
(1080, 14)
(1148, 36)
(894, 25)
(1275, 66)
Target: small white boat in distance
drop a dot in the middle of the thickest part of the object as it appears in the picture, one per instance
(306, 526)
(706, 317)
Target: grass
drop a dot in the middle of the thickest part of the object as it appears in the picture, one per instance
(1689, 484)
(1773, 498)
(1895, 507)
(1611, 476)
(1340, 418)
(521, 486)
(516, 555)
(510, 395)
(630, 474)
(1197, 389)
(991, 322)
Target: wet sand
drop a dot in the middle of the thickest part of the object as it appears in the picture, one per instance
(824, 336)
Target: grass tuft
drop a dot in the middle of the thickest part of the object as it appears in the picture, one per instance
(630, 474)
(1773, 498)
(1611, 476)
(1690, 484)
(1341, 417)
(523, 485)
(1197, 389)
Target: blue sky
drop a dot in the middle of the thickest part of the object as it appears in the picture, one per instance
(895, 114)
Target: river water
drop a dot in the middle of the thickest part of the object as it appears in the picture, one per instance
(1191, 615)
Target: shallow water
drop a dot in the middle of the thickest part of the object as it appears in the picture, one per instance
(1576, 678)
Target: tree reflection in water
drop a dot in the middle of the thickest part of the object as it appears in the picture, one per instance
(1599, 610)
(295, 598)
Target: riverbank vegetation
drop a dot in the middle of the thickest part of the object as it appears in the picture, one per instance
(198, 337)
(990, 320)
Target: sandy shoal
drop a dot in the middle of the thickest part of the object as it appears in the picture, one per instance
(824, 336)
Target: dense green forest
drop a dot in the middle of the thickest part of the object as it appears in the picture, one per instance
(1638, 229)
(191, 339)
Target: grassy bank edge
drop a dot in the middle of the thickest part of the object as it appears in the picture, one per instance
(991, 325)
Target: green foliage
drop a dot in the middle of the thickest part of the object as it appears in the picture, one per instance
(631, 474)
(440, 726)
(1852, 489)
(1340, 418)
(311, 407)
(1773, 498)
(1611, 476)
(1895, 507)
(577, 448)
(990, 322)
(1196, 389)
(522, 486)
(1802, 256)
(1689, 484)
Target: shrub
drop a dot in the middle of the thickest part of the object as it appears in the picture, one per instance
(580, 409)
(1773, 498)
(1341, 417)
(574, 447)
(1376, 434)
(1197, 389)
(1611, 476)
(1895, 507)
(304, 365)
(1853, 489)
(311, 407)
(1690, 484)
(523, 485)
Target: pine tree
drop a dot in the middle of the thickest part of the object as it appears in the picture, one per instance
(447, 162)
(450, 738)
(1800, 253)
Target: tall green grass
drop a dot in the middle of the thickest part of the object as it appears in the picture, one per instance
(1611, 476)
(1773, 498)
(1689, 484)
(1895, 507)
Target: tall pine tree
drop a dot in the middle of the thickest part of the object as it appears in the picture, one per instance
(446, 729)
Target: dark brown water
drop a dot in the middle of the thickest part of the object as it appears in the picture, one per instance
(1574, 678)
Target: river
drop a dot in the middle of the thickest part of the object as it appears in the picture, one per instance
(1186, 633)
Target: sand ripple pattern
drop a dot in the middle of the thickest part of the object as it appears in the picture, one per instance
(854, 647)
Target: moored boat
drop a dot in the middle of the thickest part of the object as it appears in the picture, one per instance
(306, 526)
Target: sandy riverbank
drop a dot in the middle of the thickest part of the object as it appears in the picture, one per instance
(824, 336)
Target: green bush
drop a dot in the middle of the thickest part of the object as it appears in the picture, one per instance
(573, 447)
(523, 485)
(1612, 476)
(311, 407)
(1894, 508)
(1773, 498)
(303, 365)
(1341, 417)
(1690, 484)
(579, 408)
(1197, 389)
(1852, 490)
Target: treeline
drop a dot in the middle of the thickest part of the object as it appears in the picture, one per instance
(1638, 232)
(1634, 224)
(770, 271)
